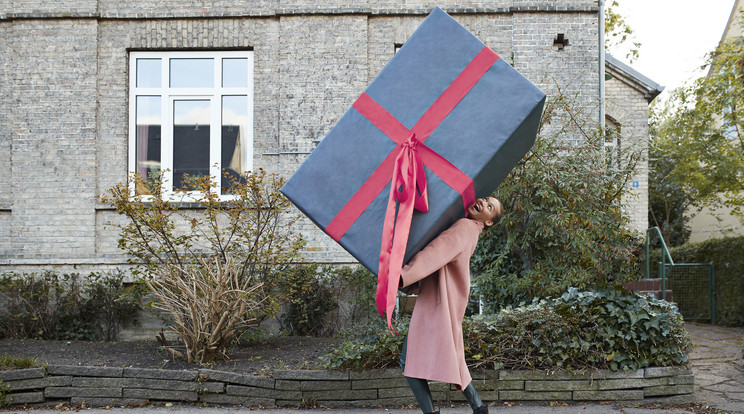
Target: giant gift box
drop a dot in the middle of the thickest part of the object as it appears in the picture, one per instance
(445, 104)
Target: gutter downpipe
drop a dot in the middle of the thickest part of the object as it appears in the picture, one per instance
(601, 30)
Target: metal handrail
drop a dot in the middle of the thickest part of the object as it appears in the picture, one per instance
(662, 264)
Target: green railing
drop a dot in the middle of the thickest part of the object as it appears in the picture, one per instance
(688, 306)
(664, 255)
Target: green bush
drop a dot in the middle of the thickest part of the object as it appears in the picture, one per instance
(577, 331)
(308, 299)
(323, 300)
(354, 289)
(564, 222)
(50, 306)
(725, 254)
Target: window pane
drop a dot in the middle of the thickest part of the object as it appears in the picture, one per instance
(191, 121)
(234, 72)
(235, 145)
(148, 73)
(192, 73)
(148, 122)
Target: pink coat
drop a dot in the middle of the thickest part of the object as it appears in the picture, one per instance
(435, 345)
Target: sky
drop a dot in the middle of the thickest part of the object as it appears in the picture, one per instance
(675, 36)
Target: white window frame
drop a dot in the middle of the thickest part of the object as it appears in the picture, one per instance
(169, 94)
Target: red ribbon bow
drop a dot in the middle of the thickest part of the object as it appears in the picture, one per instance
(409, 189)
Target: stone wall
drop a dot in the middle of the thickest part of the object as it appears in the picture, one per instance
(64, 118)
(104, 386)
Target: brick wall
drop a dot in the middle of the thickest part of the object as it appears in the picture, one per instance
(65, 116)
(628, 107)
(50, 108)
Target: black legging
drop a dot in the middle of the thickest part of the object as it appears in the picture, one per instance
(420, 388)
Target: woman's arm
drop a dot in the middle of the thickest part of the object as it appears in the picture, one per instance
(440, 251)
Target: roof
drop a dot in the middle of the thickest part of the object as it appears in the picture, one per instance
(651, 88)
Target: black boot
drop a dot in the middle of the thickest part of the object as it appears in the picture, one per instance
(481, 410)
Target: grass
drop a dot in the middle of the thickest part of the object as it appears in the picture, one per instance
(8, 362)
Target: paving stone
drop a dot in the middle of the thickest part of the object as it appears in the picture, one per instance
(313, 385)
(236, 400)
(160, 374)
(515, 395)
(241, 379)
(653, 372)
(674, 399)
(564, 375)
(27, 384)
(435, 386)
(156, 384)
(379, 383)
(496, 384)
(668, 390)
(682, 379)
(395, 392)
(69, 392)
(611, 395)
(59, 380)
(301, 374)
(83, 371)
(20, 374)
(346, 395)
(620, 384)
(376, 374)
(485, 396)
(165, 395)
(255, 392)
(561, 385)
(24, 397)
(289, 385)
(101, 382)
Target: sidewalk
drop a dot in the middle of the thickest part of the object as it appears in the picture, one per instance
(515, 409)
(718, 365)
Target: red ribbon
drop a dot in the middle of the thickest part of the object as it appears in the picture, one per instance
(406, 163)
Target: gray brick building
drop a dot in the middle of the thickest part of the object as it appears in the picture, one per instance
(76, 82)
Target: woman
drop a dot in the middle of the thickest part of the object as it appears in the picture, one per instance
(434, 347)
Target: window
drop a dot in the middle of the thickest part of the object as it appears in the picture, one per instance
(612, 140)
(191, 113)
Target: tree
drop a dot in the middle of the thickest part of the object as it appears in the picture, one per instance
(618, 33)
(564, 224)
(667, 200)
(700, 129)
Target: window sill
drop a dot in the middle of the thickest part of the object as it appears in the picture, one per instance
(180, 205)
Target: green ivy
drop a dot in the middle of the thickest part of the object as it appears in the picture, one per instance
(576, 331)
(369, 347)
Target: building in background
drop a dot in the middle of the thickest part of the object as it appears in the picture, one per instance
(713, 223)
(96, 90)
